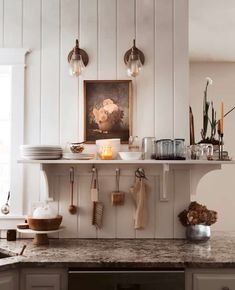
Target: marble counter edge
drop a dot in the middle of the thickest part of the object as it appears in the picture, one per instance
(95, 254)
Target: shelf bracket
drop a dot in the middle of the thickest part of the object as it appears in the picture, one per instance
(197, 172)
(164, 179)
(45, 193)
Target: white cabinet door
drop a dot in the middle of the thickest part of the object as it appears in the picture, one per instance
(213, 281)
(9, 280)
(43, 279)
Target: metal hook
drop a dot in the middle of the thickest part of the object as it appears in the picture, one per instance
(139, 173)
(8, 197)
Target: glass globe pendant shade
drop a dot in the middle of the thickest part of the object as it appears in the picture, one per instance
(134, 65)
(76, 66)
(77, 60)
(134, 60)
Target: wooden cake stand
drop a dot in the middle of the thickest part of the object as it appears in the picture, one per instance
(41, 237)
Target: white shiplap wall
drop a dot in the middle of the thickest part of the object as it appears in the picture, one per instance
(105, 28)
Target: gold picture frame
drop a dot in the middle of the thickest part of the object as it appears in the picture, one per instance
(107, 110)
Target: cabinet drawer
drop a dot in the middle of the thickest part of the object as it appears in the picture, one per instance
(9, 280)
(43, 279)
(213, 281)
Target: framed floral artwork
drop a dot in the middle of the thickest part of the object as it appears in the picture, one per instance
(107, 110)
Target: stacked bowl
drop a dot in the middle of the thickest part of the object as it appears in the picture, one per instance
(40, 152)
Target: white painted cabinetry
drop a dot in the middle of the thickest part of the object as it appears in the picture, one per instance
(9, 280)
(217, 279)
(43, 279)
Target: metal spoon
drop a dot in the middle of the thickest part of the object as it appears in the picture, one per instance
(5, 209)
(72, 207)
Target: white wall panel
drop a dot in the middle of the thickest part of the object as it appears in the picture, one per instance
(164, 100)
(50, 82)
(32, 41)
(107, 39)
(89, 35)
(181, 70)
(182, 198)
(89, 42)
(13, 23)
(165, 209)
(1, 22)
(145, 81)
(126, 22)
(69, 107)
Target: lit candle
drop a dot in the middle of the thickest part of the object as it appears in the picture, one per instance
(107, 153)
(222, 118)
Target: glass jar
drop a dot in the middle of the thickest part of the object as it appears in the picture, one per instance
(164, 149)
(106, 153)
(179, 149)
(134, 144)
(148, 147)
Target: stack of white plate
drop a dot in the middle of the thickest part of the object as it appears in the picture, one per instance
(38, 152)
(78, 156)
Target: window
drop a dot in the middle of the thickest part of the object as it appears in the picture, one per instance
(12, 66)
(5, 130)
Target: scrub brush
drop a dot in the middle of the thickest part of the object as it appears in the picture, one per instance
(98, 206)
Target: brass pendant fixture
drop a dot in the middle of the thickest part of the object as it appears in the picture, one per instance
(77, 59)
(134, 60)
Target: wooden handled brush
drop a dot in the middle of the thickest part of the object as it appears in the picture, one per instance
(98, 206)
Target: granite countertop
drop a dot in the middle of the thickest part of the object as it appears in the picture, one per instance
(218, 252)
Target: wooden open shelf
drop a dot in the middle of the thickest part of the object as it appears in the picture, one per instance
(150, 162)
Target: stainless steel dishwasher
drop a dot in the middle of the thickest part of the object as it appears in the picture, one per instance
(126, 280)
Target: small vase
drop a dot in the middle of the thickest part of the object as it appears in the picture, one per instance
(198, 233)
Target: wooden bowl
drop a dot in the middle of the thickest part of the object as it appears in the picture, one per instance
(44, 224)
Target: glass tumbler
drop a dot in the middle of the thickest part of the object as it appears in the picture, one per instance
(179, 149)
(164, 149)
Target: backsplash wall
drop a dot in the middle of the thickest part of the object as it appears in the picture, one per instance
(118, 221)
(105, 28)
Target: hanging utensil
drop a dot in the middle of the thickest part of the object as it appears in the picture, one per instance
(139, 194)
(139, 173)
(98, 206)
(94, 189)
(117, 196)
(5, 209)
(72, 207)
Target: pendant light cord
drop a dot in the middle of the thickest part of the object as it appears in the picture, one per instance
(135, 18)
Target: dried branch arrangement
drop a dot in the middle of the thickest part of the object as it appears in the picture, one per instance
(197, 214)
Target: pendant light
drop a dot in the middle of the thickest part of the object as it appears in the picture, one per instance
(77, 59)
(134, 60)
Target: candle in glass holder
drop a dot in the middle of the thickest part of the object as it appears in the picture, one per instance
(106, 153)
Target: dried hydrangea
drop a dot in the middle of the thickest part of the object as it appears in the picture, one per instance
(197, 214)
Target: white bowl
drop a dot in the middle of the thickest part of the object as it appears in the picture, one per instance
(130, 155)
(44, 212)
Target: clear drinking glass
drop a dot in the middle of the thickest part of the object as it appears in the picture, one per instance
(179, 149)
(134, 144)
(164, 149)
